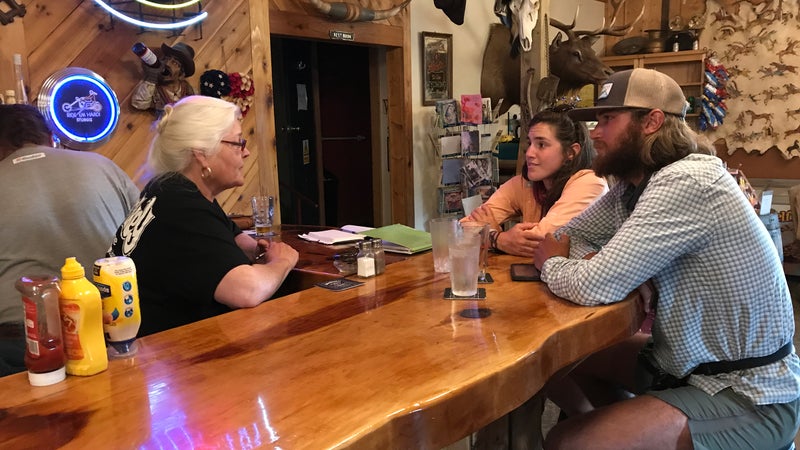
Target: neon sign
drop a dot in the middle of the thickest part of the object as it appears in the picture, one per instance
(156, 25)
(80, 107)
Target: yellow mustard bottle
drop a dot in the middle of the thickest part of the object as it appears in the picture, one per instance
(81, 321)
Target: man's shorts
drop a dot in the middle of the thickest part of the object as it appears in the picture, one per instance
(729, 421)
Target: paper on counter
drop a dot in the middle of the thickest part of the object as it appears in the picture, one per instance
(330, 237)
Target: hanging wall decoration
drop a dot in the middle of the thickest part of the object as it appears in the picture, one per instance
(757, 43)
(437, 67)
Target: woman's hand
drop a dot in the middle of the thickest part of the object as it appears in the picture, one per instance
(277, 251)
(517, 240)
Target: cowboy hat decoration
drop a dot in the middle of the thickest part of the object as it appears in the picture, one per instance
(183, 53)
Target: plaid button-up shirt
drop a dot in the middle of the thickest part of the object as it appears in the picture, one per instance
(722, 291)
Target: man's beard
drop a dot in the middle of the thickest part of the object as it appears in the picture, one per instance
(624, 161)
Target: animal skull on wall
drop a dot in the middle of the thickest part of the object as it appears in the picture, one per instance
(573, 61)
(527, 16)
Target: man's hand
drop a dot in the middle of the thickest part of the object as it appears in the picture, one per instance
(550, 247)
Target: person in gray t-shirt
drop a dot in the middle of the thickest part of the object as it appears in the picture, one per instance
(56, 203)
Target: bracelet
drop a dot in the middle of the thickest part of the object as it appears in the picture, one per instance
(493, 235)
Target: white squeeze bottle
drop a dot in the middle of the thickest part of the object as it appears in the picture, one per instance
(81, 321)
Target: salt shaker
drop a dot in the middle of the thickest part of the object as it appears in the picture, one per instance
(365, 260)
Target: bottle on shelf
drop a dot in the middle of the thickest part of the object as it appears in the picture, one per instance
(21, 95)
(10, 97)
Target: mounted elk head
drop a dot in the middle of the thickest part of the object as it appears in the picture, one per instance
(573, 60)
(349, 12)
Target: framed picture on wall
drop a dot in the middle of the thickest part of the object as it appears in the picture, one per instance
(437, 67)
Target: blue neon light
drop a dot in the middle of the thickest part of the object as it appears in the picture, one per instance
(155, 25)
(84, 109)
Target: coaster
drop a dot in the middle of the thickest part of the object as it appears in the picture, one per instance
(339, 284)
(487, 279)
(480, 295)
(475, 313)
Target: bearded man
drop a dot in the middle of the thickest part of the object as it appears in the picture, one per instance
(719, 370)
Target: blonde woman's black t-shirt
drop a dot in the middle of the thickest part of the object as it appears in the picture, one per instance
(182, 246)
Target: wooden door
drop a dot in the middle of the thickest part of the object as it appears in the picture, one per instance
(295, 130)
(346, 134)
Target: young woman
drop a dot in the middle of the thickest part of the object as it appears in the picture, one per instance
(556, 184)
(192, 261)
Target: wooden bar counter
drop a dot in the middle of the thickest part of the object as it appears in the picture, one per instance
(389, 364)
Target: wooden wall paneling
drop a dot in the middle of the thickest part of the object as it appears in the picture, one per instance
(264, 102)
(401, 162)
(44, 16)
(299, 25)
(65, 43)
(771, 164)
(229, 48)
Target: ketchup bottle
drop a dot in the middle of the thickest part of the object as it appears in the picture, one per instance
(44, 349)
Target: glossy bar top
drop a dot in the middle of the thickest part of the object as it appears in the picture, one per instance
(389, 364)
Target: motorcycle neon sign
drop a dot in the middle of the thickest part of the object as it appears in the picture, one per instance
(80, 107)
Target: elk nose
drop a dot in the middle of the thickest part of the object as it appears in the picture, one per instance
(608, 71)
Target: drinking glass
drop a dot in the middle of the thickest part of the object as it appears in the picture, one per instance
(464, 250)
(263, 210)
(482, 230)
(441, 229)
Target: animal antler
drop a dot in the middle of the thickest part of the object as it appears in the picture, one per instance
(610, 30)
(348, 12)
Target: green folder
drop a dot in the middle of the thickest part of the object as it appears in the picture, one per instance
(399, 238)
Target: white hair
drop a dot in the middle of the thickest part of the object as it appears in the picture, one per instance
(194, 123)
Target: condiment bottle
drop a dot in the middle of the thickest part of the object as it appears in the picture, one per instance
(44, 347)
(81, 321)
(115, 278)
(365, 260)
(380, 256)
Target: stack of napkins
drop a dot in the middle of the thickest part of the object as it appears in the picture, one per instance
(331, 237)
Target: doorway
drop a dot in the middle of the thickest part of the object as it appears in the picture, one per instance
(324, 135)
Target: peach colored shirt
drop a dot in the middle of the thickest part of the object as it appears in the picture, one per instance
(515, 197)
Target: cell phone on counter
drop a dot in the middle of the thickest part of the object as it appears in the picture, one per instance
(524, 272)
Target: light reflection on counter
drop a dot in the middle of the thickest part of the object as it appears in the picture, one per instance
(170, 429)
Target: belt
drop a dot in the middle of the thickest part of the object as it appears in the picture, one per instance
(12, 330)
(717, 367)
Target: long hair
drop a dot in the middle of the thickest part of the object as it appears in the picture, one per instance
(21, 125)
(672, 142)
(567, 132)
(194, 123)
